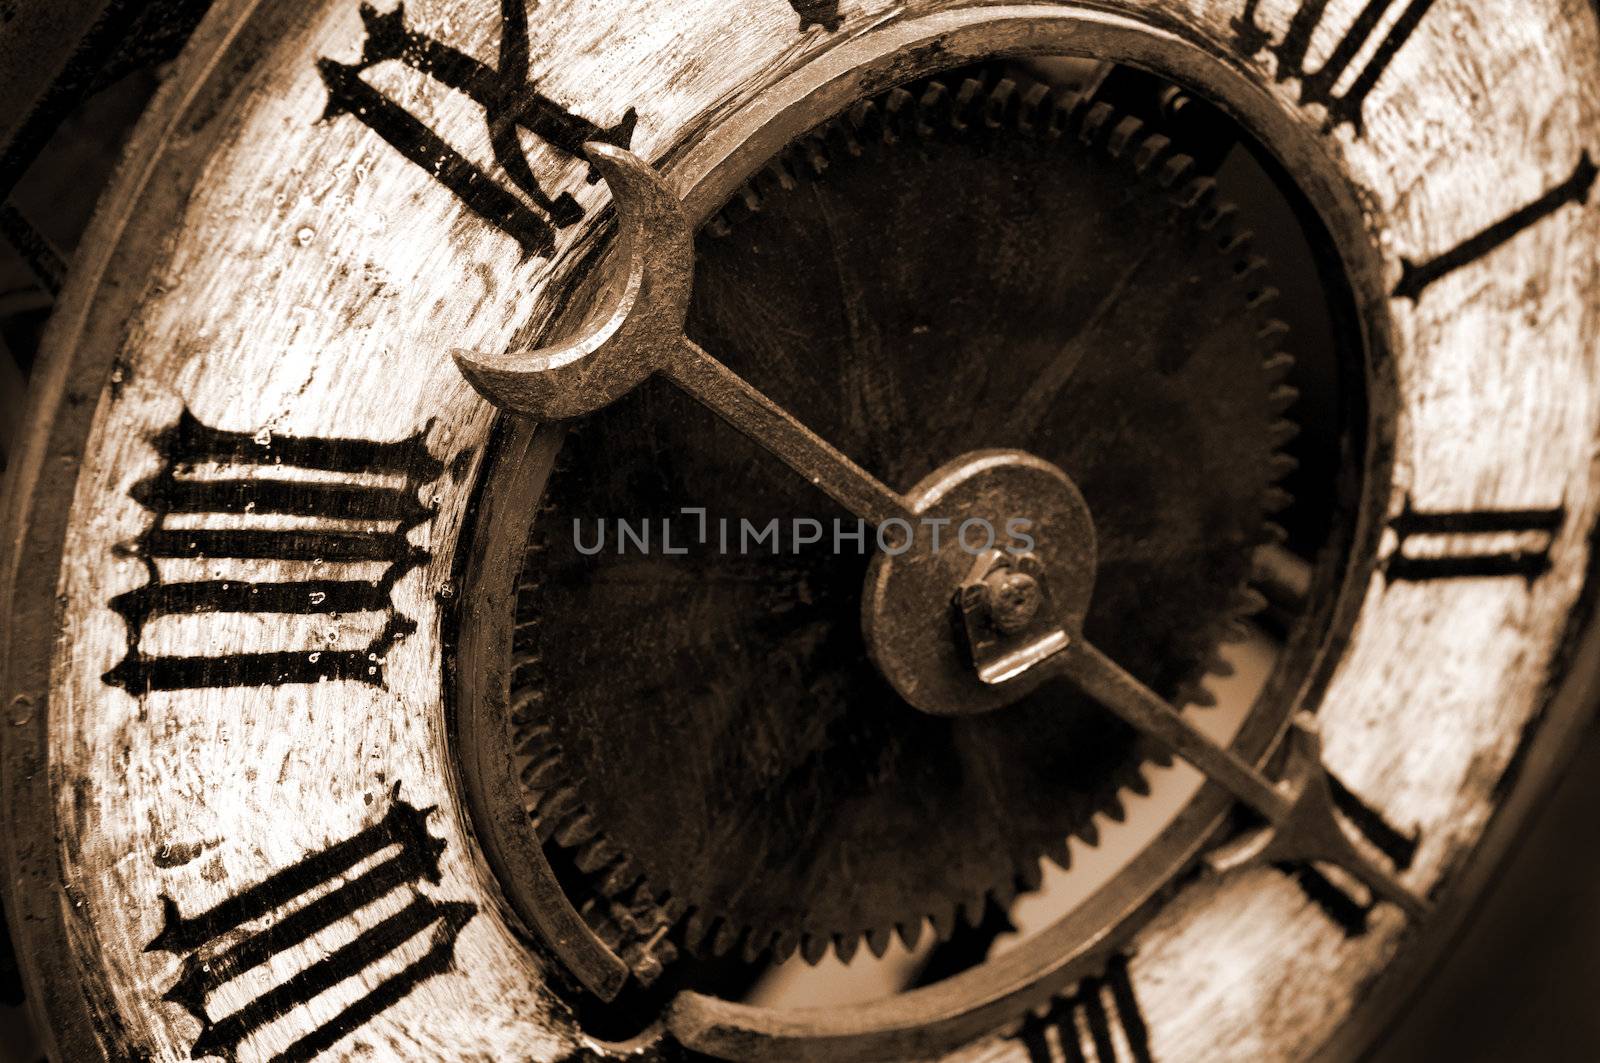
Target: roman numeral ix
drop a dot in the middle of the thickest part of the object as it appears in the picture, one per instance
(510, 103)
(328, 517)
(1526, 561)
(1100, 1021)
(1321, 85)
(236, 939)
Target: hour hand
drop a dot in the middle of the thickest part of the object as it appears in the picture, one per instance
(642, 335)
(638, 334)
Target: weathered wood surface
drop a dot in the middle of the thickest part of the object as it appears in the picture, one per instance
(312, 281)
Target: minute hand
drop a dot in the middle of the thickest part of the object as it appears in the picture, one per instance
(1303, 822)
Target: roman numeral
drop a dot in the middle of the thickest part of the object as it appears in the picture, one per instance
(510, 103)
(1339, 905)
(1101, 1021)
(1527, 562)
(235, 941)
(824, 13)
(1415, 278)
(1319, 86)
(334, 513)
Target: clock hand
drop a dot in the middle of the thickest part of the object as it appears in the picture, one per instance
(1302, 821)
(643, 335)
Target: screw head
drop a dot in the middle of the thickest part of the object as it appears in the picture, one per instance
(1013, 599)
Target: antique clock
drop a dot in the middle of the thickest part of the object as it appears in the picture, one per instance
(473, 585)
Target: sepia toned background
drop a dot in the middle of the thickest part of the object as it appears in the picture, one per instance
(1519, 983)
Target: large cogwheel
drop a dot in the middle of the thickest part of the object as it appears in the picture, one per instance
(950, 266)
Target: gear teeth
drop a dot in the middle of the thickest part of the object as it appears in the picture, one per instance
(1273, 332)
(1219, 218)
(1059, 853)
(540, 774)
(1276, 500)
(1233, 240)
(1251, 601)
(1034, 104)
(813, 150)
(1198, 194)
(936, 109)
(813, 947)
(784, 942)
(1276, 368)
(1247, 268)
(1114, 810)
(899, 115)
(695, 928)
(575, 830)
(1089, 834)
(557, 804)
(944, 923)
(595, 854)
(839, 136)
(1220, 666)
(1175, 171)
(1151, 150)
(1064, 116)
(972, 910)
(1094, 123)
(1123, 134)
(910, 932)
(1280, 399)
(1002, 107)
(1030, 876)
(725, 939)
(525, 709)
(1281, 466)
(619, 878)
(1260, 297)
(967, 103)
(878, 941)
(754, 947)
(845, 946)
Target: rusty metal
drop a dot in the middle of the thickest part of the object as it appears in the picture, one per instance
(582, 794)
(643, 334)
(646, 331)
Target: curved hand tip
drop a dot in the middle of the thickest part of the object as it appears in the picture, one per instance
(625, 344)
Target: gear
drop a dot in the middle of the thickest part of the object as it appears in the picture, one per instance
(735, 764)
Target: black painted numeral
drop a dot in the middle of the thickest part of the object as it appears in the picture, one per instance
(824, 13)
(1349, 913)
(1087, 1024)
(1528, 562)
(1574, 190)
(510, 103)
(334, 513)
(238, 938)
(1320, 86)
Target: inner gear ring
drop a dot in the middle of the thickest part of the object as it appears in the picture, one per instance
(583, 783)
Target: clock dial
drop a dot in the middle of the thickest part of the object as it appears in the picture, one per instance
(337, 741)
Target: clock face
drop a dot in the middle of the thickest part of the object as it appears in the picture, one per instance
(474, 571)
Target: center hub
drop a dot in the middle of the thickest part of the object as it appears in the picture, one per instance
(996, 573)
